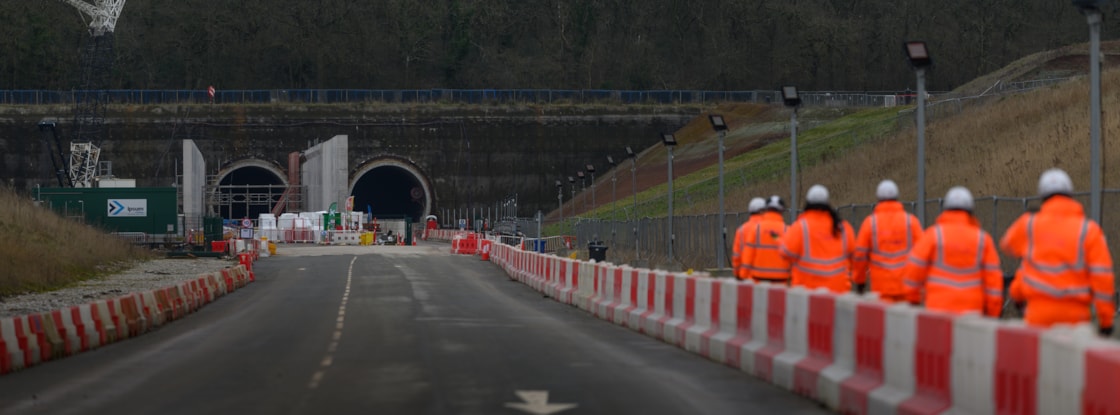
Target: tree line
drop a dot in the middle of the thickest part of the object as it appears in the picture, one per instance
(563, 44)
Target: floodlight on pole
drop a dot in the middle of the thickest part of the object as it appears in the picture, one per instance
(1092, 11)
(591, 171)
(572, 182)
(560, 198)
(634, 194)
(583, 188)
(614, 195)
(614, 179)
(792, 100)
(669, 141)
(720, 126)
(919, 57)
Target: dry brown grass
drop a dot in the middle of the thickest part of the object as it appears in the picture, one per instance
(995, 149)
(40, 250)
(1041, 65)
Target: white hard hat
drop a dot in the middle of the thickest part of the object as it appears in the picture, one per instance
(775, 203)
(817, 195)
(958, 198)
(1054, 181)
(756, 205)
(887, 190)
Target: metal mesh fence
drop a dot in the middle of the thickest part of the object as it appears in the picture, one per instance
(698, 236)
(498, 96)
(466, 96)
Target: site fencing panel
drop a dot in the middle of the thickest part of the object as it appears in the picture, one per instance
(698, 236)
(458, 96)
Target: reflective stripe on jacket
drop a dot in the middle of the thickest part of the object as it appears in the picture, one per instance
(884, 241)
(762, 254)
(737, 247)
(1065, 265)
(818, 258)
(956, 266)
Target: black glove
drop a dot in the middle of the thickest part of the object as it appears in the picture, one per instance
(861, 288)
(1106, 332)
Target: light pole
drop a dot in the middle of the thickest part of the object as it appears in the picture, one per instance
(1091, 10)
(919, 59)
(720, 126)
(634, 192)
(591, 171)
(583, 188)
(560, 199)
(792, 100)
(669, 141)
(572, 181)
(614, 195)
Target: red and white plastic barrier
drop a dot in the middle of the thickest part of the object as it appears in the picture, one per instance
(29, 340)
(852, 353)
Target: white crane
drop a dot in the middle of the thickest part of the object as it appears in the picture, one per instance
(89, 111)
(103, 14)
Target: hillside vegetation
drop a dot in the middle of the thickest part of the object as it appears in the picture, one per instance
(998, 149)
(995, 146)
(41, 251)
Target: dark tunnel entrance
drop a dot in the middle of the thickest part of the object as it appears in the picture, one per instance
(247, 192)
(391, 189)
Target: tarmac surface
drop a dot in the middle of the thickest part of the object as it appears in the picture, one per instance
(394, 330)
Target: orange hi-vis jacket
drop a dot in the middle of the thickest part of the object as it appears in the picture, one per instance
(762, 255)
(956, 264)
(737, 247)
(818, 258)
(1066, 265)
(884, 241)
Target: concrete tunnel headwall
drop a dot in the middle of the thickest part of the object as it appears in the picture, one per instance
(391, 187)
(465, 157)
(247, 188)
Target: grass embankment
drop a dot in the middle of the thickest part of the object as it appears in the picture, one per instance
(996, 148)
(42, 251)
(764, 145)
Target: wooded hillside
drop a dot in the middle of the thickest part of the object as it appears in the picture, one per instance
(576, 44)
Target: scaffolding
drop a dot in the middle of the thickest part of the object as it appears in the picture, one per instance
(84, 159)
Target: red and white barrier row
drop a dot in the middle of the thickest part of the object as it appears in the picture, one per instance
(446, 234)
(37, 338)
(852, 353)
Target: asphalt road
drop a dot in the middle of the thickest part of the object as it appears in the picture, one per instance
(389, 330)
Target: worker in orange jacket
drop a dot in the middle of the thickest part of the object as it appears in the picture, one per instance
(955, 263)
(884, 241)
(819, 245)
(1066, 265)
(754, 208)
(762, 255)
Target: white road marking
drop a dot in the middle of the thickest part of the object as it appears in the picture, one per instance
(328, 359)
(536, 402)
(315, 379)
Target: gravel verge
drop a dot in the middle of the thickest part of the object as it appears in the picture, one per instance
(149, 275)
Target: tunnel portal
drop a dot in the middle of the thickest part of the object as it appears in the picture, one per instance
(392, 188)
(247, 189)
